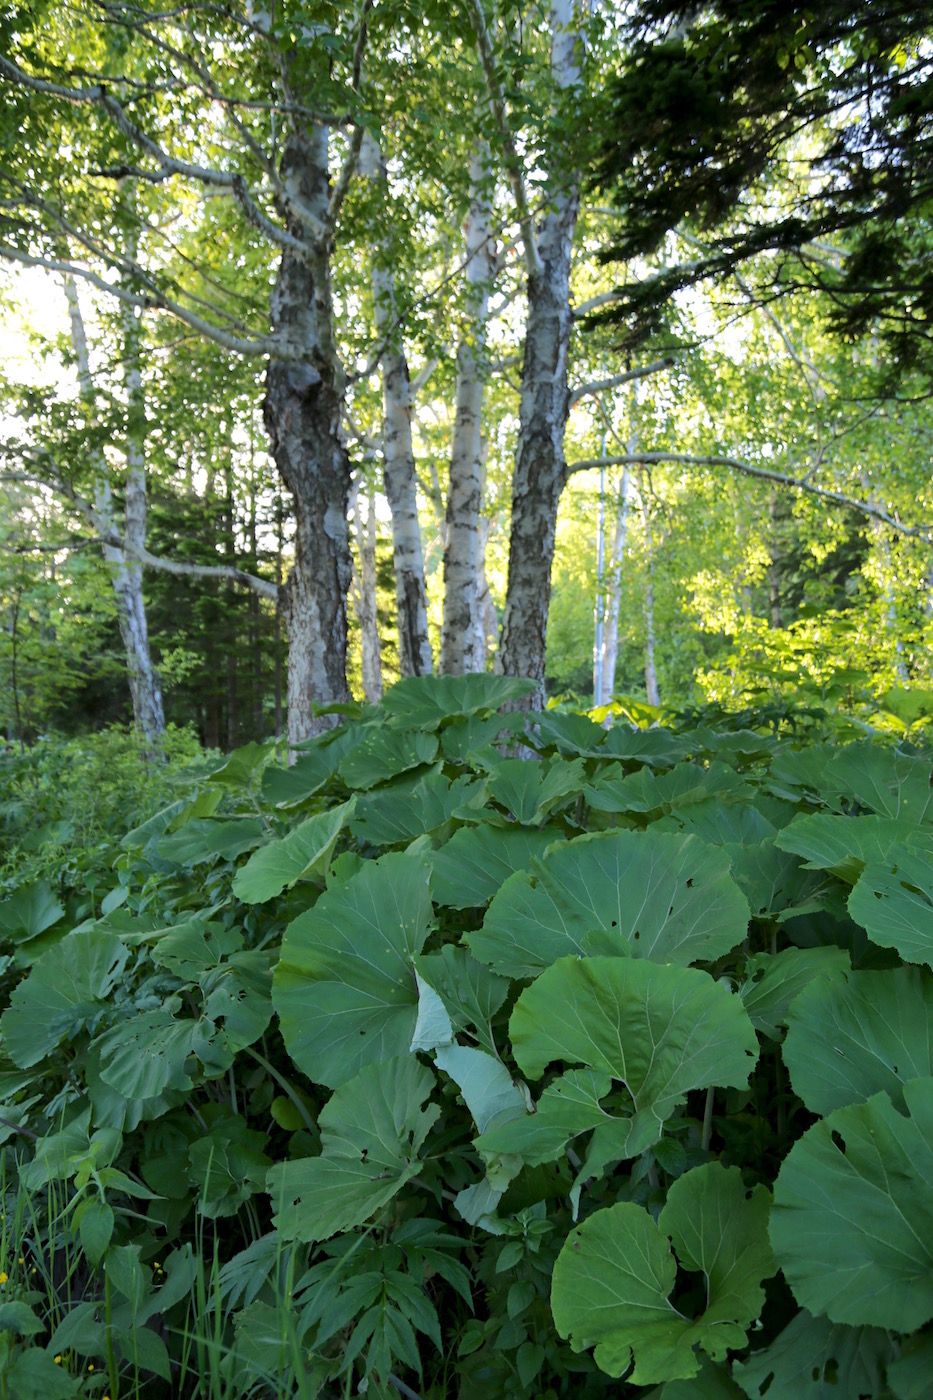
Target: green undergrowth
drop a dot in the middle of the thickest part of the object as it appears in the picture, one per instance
(421, 1067)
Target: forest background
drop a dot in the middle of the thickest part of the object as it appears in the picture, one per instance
(712, 410)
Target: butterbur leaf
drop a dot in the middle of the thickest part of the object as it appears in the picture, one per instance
(381, 753)
(657, 1031)
(19, 1317)
(645, 894)
(528, 789)
(887, 782)
(66, 990)
(710, 1383)
(303, 852)
(477, 860)
(893, 901)
(852, 1225)
(371, 1131)
(858, 1035)
(845, 845)
(470, 992)
(29, 911)
(426, 701)
(147, 1054)
(815, 1359)
(645, 791)
(238, 768)
(433, 1027)
(488, 1089)
(773, 981)
(404, 810)
(615, 1274)
(345, 989)
(227, 1165)
(199, 841)
(909, 1375)
(32, 1375)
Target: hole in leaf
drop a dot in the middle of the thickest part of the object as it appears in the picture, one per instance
(766, 1383)
(831, 1371)
(690, 883)
(838, 1142)
(636, 935)
(894, 1067)
(615, 923)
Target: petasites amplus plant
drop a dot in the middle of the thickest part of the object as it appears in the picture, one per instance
(417, 1067)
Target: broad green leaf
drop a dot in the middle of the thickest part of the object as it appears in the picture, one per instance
(719, 823)
(893, 901)
(659, 748)
(485, 1084)
(471, 736)
(471, 993)
(710, 1383)
(795, 773)
(29, 911)
(145, 1349)
(845, 845)
(614, 1276)
(345, 987)
(372, 1129)
(852, 1224)
(573, 734)
(290, 787)
(55, 1154)
(33, 1375)
(887, 782)
(645, 791)
(773, 981)
(199, 841)
(303, 852)
(238, 994)
(433, 1027)
(858, 1034)
(238, 768)
(382, 753)
(909, 1375)
(227, 1165)
(19, 1317)
(147, 1054)
(66, 991)
(774, 883)
(652, 895)
(194, 947)
(658, 1031)
(528, 789)
(814, 1359)
(477, 860)
(410, 807)
(426, 701)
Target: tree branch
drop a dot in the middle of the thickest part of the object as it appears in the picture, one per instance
(794, 483)
(513, 164)
(598, 386)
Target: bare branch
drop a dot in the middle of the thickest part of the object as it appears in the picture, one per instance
(512, 160)
(794, 483)
(599, 386)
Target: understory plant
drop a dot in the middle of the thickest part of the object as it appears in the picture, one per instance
(421, 1066)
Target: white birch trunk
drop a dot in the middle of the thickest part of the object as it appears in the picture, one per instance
(414, 645)
(540, 467)
(613, 595)
(651, 674)
(366, 610)
(302, 411)
(463, 642)
(125, 574)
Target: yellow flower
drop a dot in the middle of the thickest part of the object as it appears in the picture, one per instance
(3, 1277)
(58, 1361)
(90, 1365)
(21, 1260)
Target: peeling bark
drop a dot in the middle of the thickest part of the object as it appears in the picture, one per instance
(651, 674)
(463, 642)
(614, 593)
(414, 645)
(302, 411)
(366, 601)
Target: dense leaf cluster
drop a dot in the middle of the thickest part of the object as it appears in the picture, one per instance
(421, 1064)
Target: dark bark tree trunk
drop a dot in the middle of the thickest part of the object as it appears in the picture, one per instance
(302, 411)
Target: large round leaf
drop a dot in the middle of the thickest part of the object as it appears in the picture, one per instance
(280, 864)
(657, 1031)
(852, 1225)
(371, 1131)
(345, 989)
(845, 845)
(427, 701)
(650, 894)
(814, 1359)
(477, 860)
(860, 1033)
(615, 1274)
(888, 782)
(66, 990)
(893, 901)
